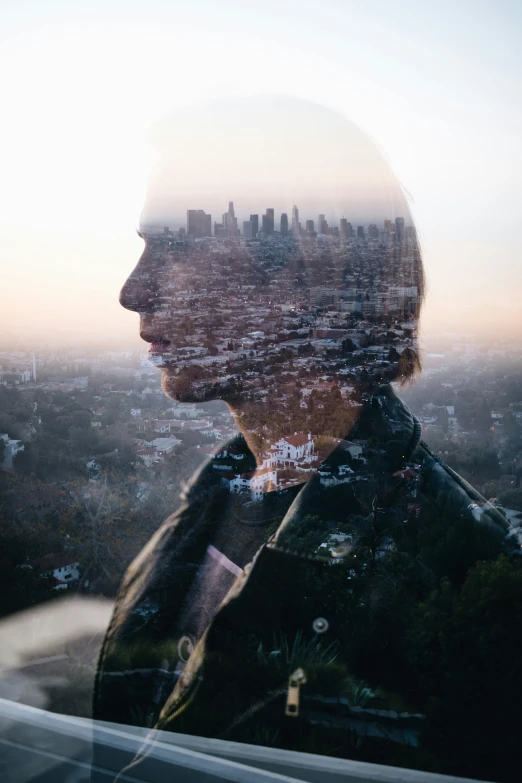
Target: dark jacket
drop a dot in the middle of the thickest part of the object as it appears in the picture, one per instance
(300, 621)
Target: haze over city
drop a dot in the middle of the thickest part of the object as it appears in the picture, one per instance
(435, 92)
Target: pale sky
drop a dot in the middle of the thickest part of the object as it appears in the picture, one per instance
(437, 85)
(268, 152)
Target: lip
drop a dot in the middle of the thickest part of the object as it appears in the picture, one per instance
(158, 348)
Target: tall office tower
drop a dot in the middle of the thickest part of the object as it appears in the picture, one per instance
(360, 232)
(309, 225)
(373, 231)
(399, 229)
(388, 226)
(254, 219)
(284, 224)
(410, 232)
(199, 224)
(296, 228)
(247, 229)
(230, 220)
(323, 226)
(345, 229)
(268, 222)
(217, 228)
(320, 220)
(34, 366)
(335, 231)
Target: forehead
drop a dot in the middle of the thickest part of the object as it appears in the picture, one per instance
(290, 262)
(239, 257)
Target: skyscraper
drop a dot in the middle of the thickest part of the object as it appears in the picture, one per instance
(284, 224)
(267, 222)
(399, 229)
(254, 219)
(343, 228)
(270, 221)
(360, 232)
(230, 221)
(296, 228)
(310, 228)
(247, 229)
(323, 227)
(199, 224)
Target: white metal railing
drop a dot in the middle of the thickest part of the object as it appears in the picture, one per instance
(44, 747)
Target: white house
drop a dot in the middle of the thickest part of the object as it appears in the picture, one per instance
(345, 475)
(63, 568)
(162, 425)
(354, 449)
(292, 448)
(149, 456)
(11, 449)
(255, 482)
(165, 445)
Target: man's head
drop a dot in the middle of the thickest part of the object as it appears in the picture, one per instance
(279, 251)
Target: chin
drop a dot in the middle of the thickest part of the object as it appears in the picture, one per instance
(178, 389)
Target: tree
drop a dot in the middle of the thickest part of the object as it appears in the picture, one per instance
(511, 498)
(465, 650)
(347, 346)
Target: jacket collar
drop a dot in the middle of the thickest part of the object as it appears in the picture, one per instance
(386, 422)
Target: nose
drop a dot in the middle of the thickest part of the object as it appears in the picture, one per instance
(139, 291)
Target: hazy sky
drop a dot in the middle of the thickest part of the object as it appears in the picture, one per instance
(268, 152)
(436, 84)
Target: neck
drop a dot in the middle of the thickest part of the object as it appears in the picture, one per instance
(263, 425)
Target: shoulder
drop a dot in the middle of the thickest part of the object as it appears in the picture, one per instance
(180, 539)
(439, 480)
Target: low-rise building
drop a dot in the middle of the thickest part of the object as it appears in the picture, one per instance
(11, 449)
(65, 569)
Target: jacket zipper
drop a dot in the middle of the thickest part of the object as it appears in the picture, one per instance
(295, 681)
(182, 703)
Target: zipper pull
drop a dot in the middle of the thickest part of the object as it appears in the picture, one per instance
(297, 679)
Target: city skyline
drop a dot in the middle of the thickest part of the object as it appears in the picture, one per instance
(199, 225)
(460, 167)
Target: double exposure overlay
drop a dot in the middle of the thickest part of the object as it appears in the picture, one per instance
(279, 513)
(319, 587)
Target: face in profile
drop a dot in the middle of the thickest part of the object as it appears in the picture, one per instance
(235, 318)
(250, 304)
